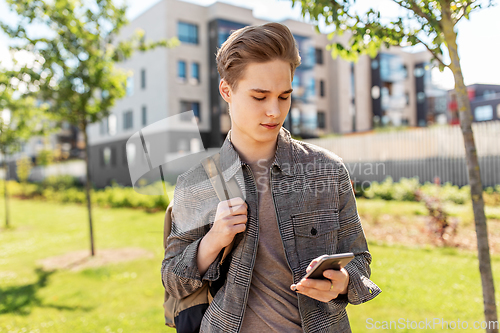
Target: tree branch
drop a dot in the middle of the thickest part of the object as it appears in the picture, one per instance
(432, 52)
(416, 9)
(462, 13)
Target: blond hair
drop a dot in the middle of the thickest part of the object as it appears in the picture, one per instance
(261, 43)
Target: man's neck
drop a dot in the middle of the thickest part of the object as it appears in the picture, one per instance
(251, 154)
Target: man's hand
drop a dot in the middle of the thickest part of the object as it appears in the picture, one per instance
(323, 290)
(230, 219)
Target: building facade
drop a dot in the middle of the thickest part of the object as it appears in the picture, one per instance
(330, 95)
(484, 102)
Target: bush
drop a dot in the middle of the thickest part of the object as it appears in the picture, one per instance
(405, 190)
(61, 182)
(388, 190)
(63, 189)
(492, 196)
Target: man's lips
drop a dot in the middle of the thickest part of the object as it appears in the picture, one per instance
(269, 125)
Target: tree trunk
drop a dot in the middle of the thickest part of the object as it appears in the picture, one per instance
(476, 187)
(83, 127)
(6, 195)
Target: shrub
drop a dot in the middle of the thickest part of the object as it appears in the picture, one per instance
(59, 182)
(62, 189)
(404, 190)
(441, 227)
(388, 190)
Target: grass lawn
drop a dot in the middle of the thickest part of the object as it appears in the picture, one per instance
(127, 297)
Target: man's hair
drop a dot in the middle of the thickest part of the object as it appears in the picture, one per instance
(261, 43)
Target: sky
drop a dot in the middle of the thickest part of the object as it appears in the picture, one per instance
(478, 38)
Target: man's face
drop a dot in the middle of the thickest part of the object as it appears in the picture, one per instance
(262, 97)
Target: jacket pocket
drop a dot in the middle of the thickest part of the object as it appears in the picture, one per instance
(315, 234)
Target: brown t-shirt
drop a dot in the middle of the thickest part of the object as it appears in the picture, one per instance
(271, 305)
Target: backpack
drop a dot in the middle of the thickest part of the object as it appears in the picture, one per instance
(186, 314)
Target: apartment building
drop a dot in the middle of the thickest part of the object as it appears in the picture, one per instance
(484, 102)
(330, 95)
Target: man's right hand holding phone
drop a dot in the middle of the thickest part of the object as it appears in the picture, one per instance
(324, 290)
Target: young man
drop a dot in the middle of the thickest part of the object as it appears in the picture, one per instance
(299, 205)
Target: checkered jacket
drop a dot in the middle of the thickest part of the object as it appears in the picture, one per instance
(316, 213)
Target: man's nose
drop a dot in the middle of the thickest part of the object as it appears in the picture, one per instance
(274, 109)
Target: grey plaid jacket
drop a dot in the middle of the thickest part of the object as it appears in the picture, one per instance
(316, 213)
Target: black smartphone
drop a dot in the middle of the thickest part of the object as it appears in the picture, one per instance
(335, 261)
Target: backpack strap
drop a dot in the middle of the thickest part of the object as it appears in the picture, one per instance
(167, 223)
(224, 191)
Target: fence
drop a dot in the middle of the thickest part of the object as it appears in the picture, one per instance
(425, 153)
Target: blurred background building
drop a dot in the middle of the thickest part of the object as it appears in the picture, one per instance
(484, 102)
(330, 95)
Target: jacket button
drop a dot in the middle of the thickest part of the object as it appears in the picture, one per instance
(314, 231)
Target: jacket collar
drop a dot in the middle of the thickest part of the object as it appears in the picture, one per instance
(231, 162)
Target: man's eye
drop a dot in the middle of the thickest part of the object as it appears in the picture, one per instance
(284, 98)
(259, 99)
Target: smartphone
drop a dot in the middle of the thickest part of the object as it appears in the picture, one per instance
(335, 261)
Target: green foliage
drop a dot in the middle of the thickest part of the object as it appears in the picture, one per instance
(45, 157)
(63, 189)
(448, 192)
(405, 189)
(24, 166)
(74, 69)
(420, 22)
(61, 182)
(20, 117)
(388, 190)
(492, 196)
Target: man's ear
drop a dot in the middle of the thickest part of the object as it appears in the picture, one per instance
(225, 90)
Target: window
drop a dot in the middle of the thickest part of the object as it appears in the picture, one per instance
(196, 110)
(319, 56)
(108, 125)
(321, 119)
(405, 71)
(483, 113)
(188, 106)
(195, 72)
(143, 79)
(322, 88)
(421, 97)
(187, 33)
(112, 124)
(181, 70)
(113, 156)
(130, 85)
(103, 126)
(311, 88)
(353, 82)
(129, 153)
(128, 120)
(106, 156)
(144, 115)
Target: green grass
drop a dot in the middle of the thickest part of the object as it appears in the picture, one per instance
(128, 297)
(423, 284)
(123, 297)
(408, 208)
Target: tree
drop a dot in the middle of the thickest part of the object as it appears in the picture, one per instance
(44, 158)
(76, 69)
(24, 166)
(20, 119)
(431, 23)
